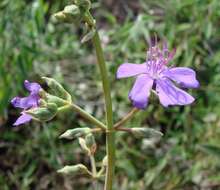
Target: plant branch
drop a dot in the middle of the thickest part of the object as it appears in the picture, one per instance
(126, 118)
(87, 116)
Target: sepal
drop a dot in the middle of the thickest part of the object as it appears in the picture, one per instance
(75, 133)
(57, 89)
(43, 113)
(90, 143)
(55, 100)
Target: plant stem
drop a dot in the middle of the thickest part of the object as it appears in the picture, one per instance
(87, 116)
(124, 129)
(126, 118)
(94, 171)
(110, 133)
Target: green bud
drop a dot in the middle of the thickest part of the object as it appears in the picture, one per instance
(71, 10)
(90, 143)
(75, 133)
(43, 113)
(146, 133)
(57, 89)
(55, 100)
(82, 144)
(70, 14)
(74, 170)
(61, 17)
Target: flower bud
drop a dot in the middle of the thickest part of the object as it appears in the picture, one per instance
(74, 170)
(43, 113)
(146, 133)
(75, 133)
(57, 89)
(70, 14)
(90, 143)
(61, 17)
(82, 143)
(71, 10)
(55, 100)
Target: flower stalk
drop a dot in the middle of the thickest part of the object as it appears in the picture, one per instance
(126, 118)
(110, 132)
(88, 117)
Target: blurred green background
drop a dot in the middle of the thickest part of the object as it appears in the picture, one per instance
(32, 45)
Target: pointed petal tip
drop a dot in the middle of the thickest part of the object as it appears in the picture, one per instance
(24, 118)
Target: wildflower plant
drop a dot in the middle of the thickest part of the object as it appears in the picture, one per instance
(154, 75)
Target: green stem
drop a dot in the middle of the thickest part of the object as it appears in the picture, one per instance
(110, 136)
(86, 115)
(94, 171)
(110, 133)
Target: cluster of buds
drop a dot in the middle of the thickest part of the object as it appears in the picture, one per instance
(73, 13)
(85, 137)
(88, 145)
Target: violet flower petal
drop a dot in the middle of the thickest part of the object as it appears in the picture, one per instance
(130, 69)
(32, 87)
(169, 94)
(26, 102)
(24, 118)
(141, 90)
(184, 76)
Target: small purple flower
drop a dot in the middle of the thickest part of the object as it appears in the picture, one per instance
(31, 101)
(155, 74)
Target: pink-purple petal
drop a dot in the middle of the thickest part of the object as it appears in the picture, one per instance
(141, 90)
(32, 87)
(24, 118)
(130, 69)
(183, 76)
(26, 102)
(169, 94)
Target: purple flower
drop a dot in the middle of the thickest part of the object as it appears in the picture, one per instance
(154, 74)
(28, 102)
